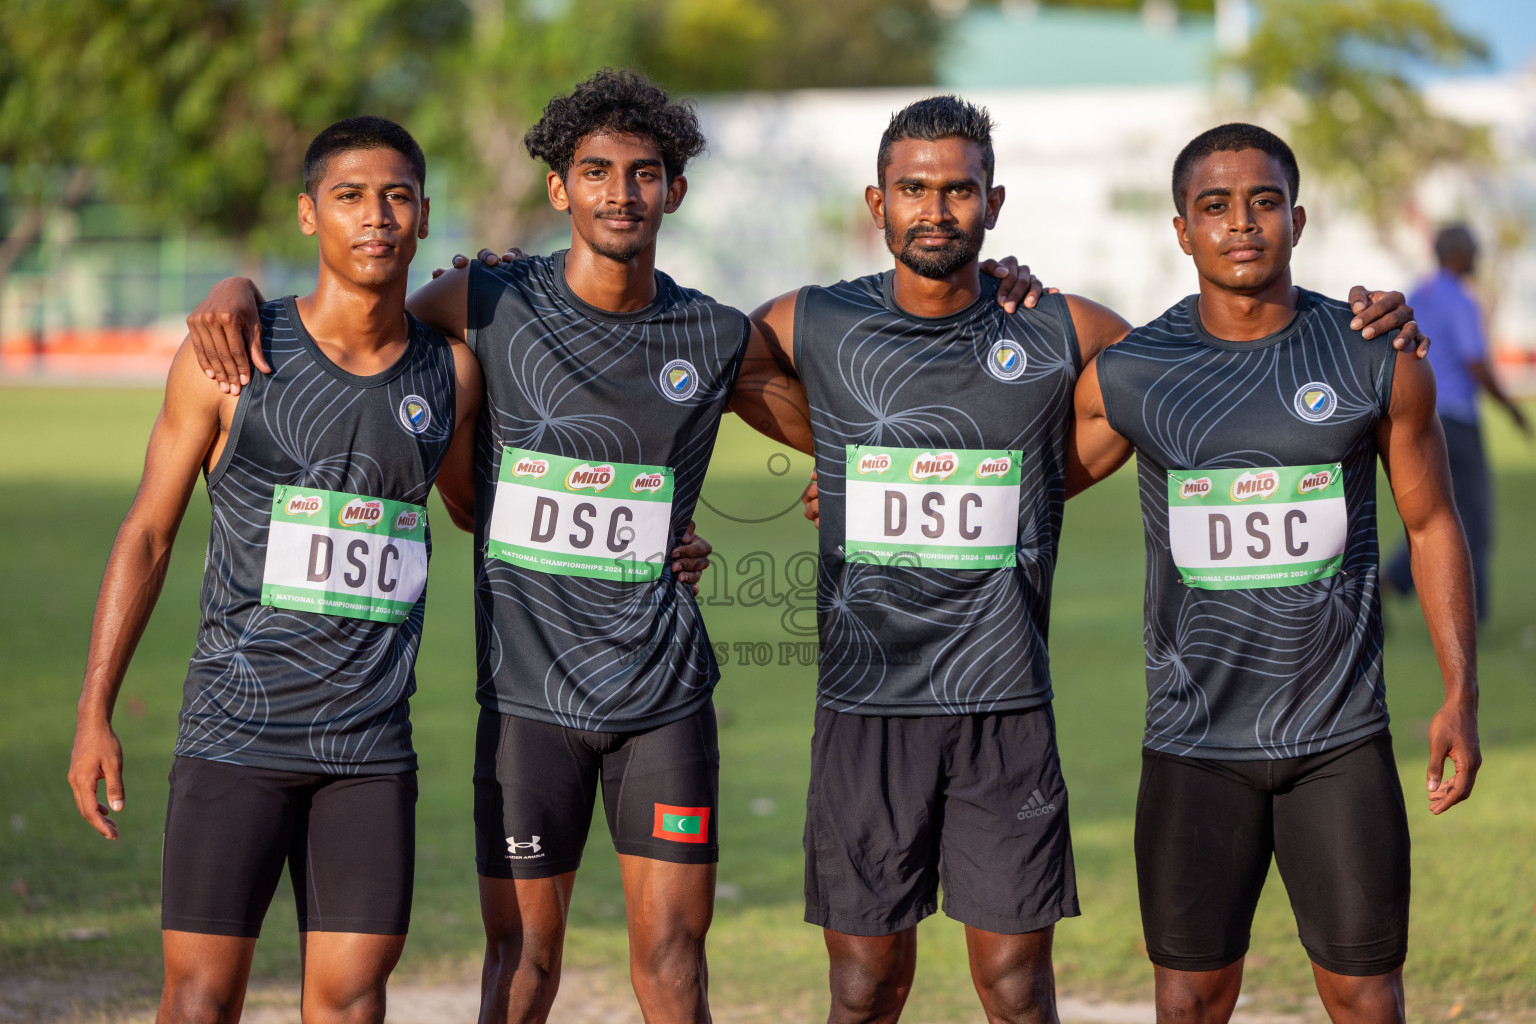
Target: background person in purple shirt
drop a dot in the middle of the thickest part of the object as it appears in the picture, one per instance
(1448, 312)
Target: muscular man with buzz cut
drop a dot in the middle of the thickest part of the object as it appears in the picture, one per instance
(295, 736)
(1257, 419)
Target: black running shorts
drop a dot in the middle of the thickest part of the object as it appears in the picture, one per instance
(1336, 825)
(536, 784)
(898, 806)
(349, 842)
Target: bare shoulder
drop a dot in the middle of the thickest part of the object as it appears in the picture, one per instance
(774, 322)
(1097, 326)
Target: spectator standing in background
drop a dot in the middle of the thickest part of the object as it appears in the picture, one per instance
(1449, 313)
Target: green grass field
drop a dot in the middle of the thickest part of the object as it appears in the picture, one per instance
(70, 462)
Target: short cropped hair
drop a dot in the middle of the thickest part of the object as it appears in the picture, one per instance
(361, 133)
(1454, 240)
(935, 118)
(1232, 138)
(620, 103)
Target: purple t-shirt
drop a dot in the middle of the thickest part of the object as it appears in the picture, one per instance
(1448, 314)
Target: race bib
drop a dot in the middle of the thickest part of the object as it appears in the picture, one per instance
(568, 517)
(345, 554)
(1241, 529)
(931, 509)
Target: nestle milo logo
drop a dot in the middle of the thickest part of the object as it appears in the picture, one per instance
(530, 467)
(647, 482)
(407, 521)
(1197, 488)
(875, 463)
(1255, 485)
(1314, 481)
(303, 505)
(929, 465)
(585, 477)
(364, 512)
(994, 467)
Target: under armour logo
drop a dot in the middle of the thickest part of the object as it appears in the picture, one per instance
(513, 846)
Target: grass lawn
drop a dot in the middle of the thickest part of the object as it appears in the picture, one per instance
(70, 462)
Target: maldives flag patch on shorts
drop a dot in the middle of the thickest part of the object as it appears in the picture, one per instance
(682, 824)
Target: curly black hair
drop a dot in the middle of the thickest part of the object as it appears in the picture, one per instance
(623, 103)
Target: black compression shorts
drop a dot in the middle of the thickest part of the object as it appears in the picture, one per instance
(1335, 824)
(349, 842)
(536, 784)
(898, 805)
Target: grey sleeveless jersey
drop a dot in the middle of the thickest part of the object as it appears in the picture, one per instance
(909, 399)
(272, 684)
(573, 392)
(1263, 615)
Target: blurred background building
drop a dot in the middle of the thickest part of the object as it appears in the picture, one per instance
(1405, 114)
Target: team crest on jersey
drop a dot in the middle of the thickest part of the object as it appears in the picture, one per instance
(1006, 359)
(415, 414)
(679, 380)
(1315, 402)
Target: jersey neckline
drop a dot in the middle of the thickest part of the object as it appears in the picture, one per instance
(1304, 303)
(591, 312)
(384, 376)
(888, 296)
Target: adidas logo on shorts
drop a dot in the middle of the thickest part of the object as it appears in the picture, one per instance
(1036, 807)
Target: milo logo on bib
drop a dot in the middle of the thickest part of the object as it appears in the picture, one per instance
(350, 555)
(931, 509)
(570, 517)
(1242, 529)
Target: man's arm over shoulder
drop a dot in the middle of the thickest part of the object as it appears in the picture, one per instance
(184, 437)
(768, 394)
(1412, 449)
(456, 476)
(443, 303)
(1097, 326)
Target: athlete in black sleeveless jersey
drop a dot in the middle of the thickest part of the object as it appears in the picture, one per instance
(1257, 418)
(295, 737)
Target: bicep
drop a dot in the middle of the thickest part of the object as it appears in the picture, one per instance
(769, 396)
(184, 434)
(1094, 448)
(1412, 445)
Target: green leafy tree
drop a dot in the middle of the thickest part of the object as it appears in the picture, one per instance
(1337, 73)
(197, 111)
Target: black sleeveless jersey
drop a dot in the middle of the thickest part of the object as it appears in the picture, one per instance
(897, 639)
(567, 383)
(1282, 664)
(298, 690)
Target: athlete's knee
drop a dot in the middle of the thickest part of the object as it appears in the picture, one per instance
(1021, 994)
(1196, 997)
(1376, 998)
(672, 962)
(867, 989)
(199, 1001)
(360, 1004)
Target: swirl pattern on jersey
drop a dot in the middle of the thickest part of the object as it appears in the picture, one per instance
(897, 640)
(565, 378)
(291, 690)
(1279, 671)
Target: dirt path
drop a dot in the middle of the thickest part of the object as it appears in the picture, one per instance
(586, 997)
